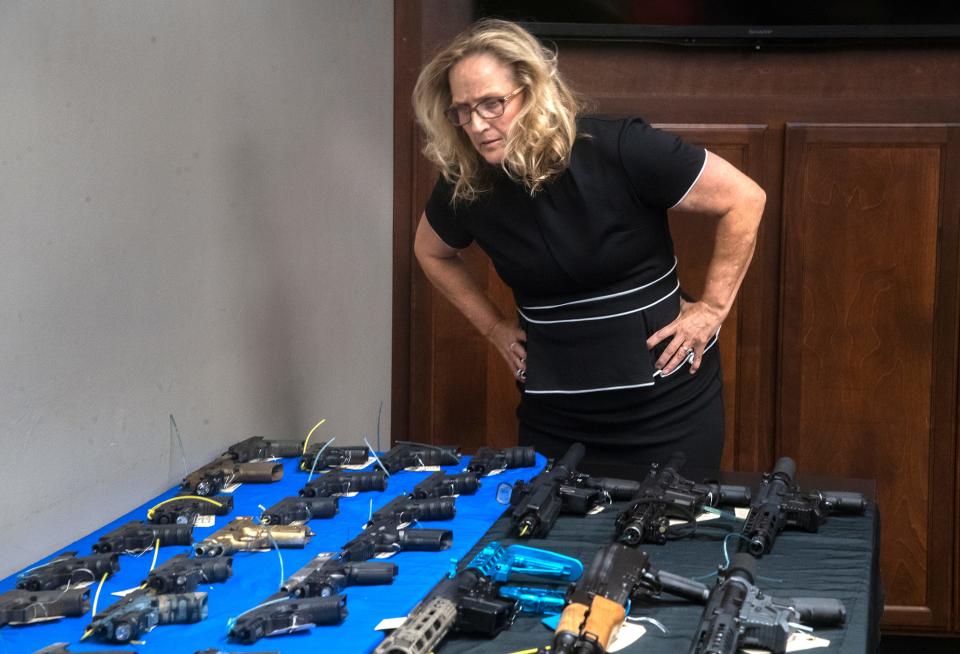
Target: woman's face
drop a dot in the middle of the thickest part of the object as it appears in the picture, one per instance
(481, 77)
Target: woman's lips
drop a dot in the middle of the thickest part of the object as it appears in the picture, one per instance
(487, 144)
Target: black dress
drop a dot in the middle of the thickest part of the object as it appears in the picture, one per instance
(591, 264)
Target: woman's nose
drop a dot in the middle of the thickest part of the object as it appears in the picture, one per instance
(477, 122)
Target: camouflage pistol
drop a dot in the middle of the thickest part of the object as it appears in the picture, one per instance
(144, 609)
(242, 534)
(225, 470)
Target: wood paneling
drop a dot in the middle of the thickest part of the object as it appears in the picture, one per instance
(864, 305)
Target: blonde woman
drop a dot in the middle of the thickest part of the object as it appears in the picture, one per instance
(572, 210)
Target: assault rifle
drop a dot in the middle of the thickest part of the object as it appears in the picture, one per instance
(28, 606)
(144, 609)
(137, 536)
(184, 510)
(333, 457)
(388, 529)
(487, 459)
(282, 615)
(225, 470)
(258, 447)
(560, 488)
(470, 601)
(780, 504)
(406, 454)
(440, 484)
(243, 535)
(738, 614)
(664, 496)
(68, 568)
(598, 604)
(340, 482)
(300, 509)
(326, 574)
(182, 575)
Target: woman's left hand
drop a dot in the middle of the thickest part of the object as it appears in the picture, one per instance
(690, 332)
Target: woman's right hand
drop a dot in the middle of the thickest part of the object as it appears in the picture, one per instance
(509, 340)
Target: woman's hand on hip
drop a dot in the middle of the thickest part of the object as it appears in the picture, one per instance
(688, 335)
(509, 340)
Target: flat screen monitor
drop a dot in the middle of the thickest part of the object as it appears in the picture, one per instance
(695, 22)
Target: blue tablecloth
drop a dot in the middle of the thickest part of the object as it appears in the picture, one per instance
(256, 575)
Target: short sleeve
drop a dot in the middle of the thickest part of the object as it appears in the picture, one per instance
(661, 166)
(443, 217)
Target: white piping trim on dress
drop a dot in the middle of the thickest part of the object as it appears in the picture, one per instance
(706, 153)
(612, 315)
(591, 390)
(658, 373)
(611, 295)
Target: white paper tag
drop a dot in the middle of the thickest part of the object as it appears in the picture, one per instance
(742, 512)
(597, 509)
(389, 623)
(798, 642)
(627, 635)
(703, 517)
(494, 472)
(384, 555)
(358, 466)
(424, 469)
(350, 494)
(297, 523)
(124, 593)
(230, 488)
(81, 584)
(204, 520)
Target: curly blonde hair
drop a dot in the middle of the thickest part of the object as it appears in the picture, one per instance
(541, 136)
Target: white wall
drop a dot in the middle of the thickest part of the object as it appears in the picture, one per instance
(195, 219)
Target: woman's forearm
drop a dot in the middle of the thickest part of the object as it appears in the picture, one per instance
(736, 240)
(448, 273)
(451, 277)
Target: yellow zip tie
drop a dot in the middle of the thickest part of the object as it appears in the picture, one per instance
(323, 420)
(181, 497)
(530, 651)
(156, 550)
(86, 634)
(96, 599)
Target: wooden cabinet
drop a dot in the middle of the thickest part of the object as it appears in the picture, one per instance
(842, 349)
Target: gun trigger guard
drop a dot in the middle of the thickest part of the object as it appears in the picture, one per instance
(607, 500)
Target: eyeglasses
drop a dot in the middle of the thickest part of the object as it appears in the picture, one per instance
(460, 114)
